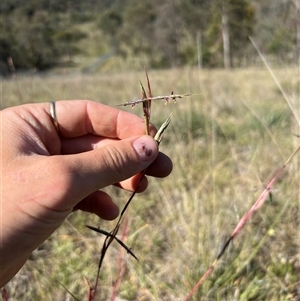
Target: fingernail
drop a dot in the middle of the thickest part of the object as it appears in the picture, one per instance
(146, 148)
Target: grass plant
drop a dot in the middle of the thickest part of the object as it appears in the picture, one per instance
(226, 143)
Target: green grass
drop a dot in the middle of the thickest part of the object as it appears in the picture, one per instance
(226, 143)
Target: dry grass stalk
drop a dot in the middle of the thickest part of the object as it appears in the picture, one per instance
(111, 236)
(259, 202)
(167, 98)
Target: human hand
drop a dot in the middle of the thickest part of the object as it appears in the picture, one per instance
(45, 175)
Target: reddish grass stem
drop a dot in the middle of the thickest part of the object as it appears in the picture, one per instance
(259, 202)
(121, 265)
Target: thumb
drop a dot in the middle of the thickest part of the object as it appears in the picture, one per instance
(110, 164)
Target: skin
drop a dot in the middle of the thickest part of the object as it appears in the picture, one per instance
(46, 175)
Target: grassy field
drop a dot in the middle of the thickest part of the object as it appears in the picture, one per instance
(226, 142)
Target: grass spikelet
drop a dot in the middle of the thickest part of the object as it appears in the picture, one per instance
(147, 104)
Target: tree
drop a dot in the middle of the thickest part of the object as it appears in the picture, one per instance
(137, 33)
(225, 35)
(277, 29)
(224, 25)
(297, 13)
(168, 33)
(33, 36)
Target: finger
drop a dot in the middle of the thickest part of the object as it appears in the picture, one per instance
(30, 129)
(138, 183)
(87, 172)
(81, 117)
(161, 167)
(99, 203)
(83, 144)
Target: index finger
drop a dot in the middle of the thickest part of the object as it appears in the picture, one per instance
(80, 117)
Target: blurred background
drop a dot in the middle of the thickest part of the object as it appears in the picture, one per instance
(91, 35)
